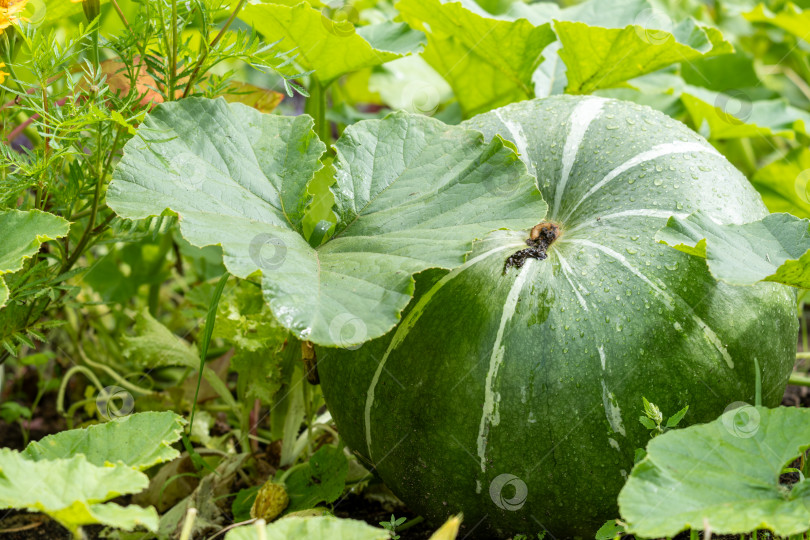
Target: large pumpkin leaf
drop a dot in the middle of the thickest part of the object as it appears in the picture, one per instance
(723, 476)
(138, 440)
(774, 248)
(329, 48)
(23, 232)
(488, 62)
(412, 193)
(312, 528)
(72, 491)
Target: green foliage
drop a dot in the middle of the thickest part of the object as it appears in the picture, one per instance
(392, 524)
(330, 48)
(416, 223)
(322, 479)
(724, 476)
(653, 419)
(27, 231)
(73, 491)
(774, 248)
(488, 62)
(139, 441)
(338, 233)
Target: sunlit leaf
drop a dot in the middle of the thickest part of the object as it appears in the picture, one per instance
(792, 19)
(488, 62)
(72, 491)
(785, 183)
(330, 48)
(718, 115)
(598, 57)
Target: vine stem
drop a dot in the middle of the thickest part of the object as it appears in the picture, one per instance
(204, 55)
(122, 16)
(799, 379)
(60, 395)
(114, 375)
(173, 53)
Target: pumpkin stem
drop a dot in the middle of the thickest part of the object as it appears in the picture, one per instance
(543, 235)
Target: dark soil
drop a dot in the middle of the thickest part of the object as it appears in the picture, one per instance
(373, 513)
(796, 396)
(18, 525)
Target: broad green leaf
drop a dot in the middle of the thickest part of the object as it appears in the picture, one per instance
(320, 480)
(23, 232)
(312, 528)
(784, 183)
(72, 491)
(792, 19)
(487, 61)
(329, 48)
(598, 57)
(774, 248)
(411, 193)
(188, 154)
(722, 476)
(718, 115)
(138, 440)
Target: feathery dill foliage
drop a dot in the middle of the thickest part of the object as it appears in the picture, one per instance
(70, 101)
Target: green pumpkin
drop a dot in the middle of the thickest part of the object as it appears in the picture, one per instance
(514, 396)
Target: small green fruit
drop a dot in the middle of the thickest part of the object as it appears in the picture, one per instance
(270, 502)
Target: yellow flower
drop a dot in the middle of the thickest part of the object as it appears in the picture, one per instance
(10, 12)
(3, 74)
